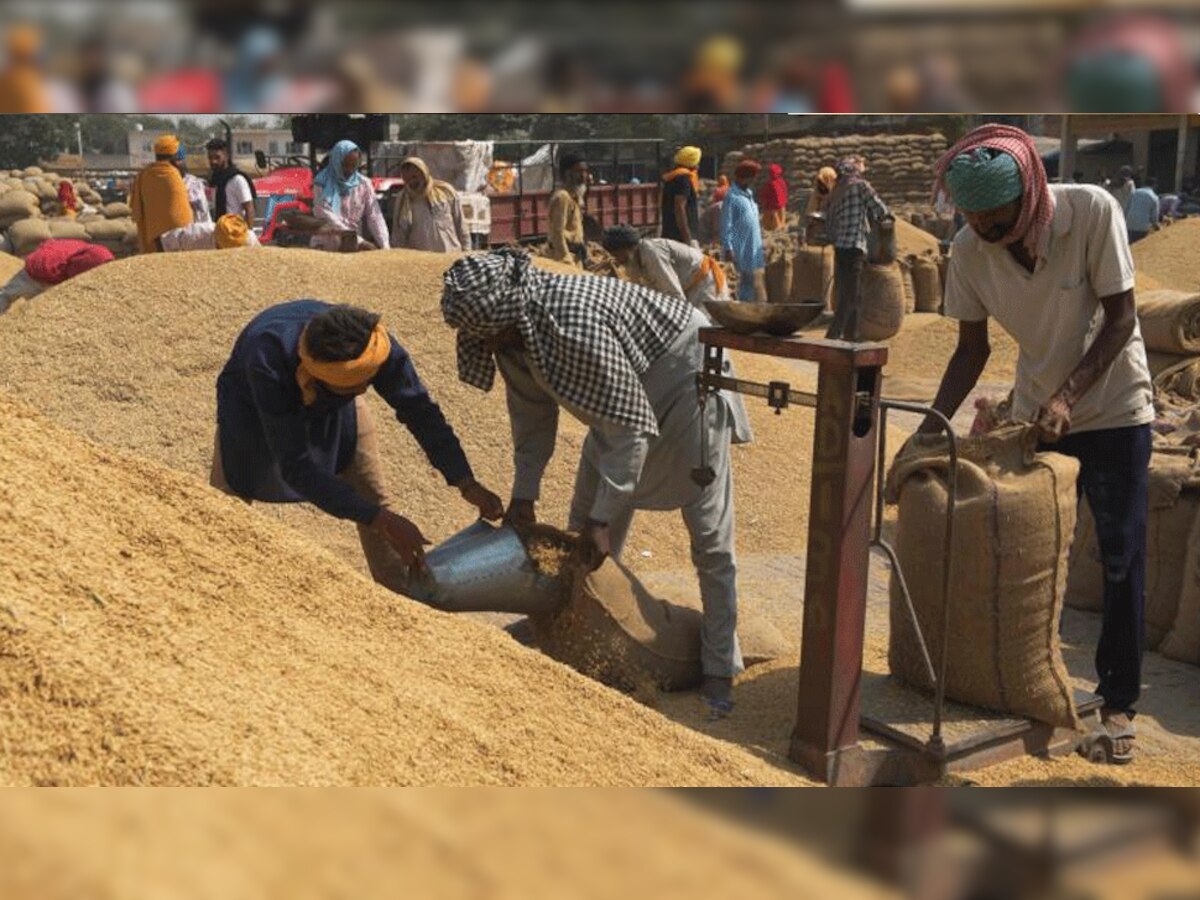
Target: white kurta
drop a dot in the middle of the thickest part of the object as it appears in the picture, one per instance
(622, 470)
(358, 213)
(670, 268)
(197, 236)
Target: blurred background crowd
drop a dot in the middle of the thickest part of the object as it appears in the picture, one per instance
(829, 56)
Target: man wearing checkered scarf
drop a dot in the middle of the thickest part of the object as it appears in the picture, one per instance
(1051, 264)
(623, 360)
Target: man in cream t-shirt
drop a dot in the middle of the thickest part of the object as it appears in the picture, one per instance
(1052, 266)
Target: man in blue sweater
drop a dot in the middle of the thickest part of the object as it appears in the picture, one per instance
(292, 427)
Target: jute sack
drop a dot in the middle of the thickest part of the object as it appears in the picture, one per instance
(1170, 321)
(1174, 502)
(1014, 518)
(28, 234)
(67, 228)
(812, 270)
(881, 312)
(19, 203)
(779, 275)
(906, 284)
(117, 210)
(1183, 640)
(107, 229)
(927, 284)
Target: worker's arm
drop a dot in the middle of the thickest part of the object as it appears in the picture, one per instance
(556, 236)
(727, 214)
(962, 374)
(533, 417)
(374, 225)
(323, 210)
(876, 208)
(397, 383)
(660, 272)
(248, 213)
(681, 219)
(460, 223)
(287, 439)
(400, 229)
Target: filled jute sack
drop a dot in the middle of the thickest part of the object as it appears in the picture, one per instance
(812, 272)
(881, 312)
(1014, 517)
(1183, 640)
(28, 234)
(116, 210)
(779, 275)
(109, 229)
(927, 284)
(67, 228)
(1174, 502)
(19, 203)
(1170, 321)
(1177, 377)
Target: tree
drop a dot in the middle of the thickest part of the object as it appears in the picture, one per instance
(28, 140)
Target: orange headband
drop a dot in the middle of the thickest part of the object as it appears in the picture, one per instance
(346, 374)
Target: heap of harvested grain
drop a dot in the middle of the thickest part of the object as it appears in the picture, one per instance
(157, 632)
(9, 266)
(1169, 255)
(899, 166)
(140, 342)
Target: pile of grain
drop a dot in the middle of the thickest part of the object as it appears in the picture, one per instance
(30, 214)
(316, 845)
(157, 632)
(1169, 256)
(899, 166)
(140, 342)
(9, 266)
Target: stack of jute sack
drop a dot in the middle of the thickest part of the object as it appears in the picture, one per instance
(30, 214)
(899, 166)
(1170, 323)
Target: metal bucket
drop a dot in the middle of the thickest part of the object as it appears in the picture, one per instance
(485, 568)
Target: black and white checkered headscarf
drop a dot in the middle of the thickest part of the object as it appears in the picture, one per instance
(591, 338)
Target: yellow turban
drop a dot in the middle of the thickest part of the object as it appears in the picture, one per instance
(167, 145)
(826, 177)
(346, 374)
(23, 42)
(688, 157)
(232, 231)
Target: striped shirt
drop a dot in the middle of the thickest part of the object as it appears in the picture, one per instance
(850, 211)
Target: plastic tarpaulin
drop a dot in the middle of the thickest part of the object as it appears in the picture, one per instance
(464, 164)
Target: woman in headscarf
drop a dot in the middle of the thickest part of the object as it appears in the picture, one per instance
(623, 360)
(668, 267)
(772, 199)
(818, 198)
(428, 214)
(68, 202)
(345, 201)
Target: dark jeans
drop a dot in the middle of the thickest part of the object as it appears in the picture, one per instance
(1114, 475)
(847, 281)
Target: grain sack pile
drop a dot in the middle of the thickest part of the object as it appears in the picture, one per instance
(1174, 502)
(175, 316)
(1014, 519)
(899, 166)
(158, 632)
(30, 214)
(439, 844)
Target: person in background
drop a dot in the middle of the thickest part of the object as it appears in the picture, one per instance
(741, 234)
(853, 205)
(22, 83)
(292, 426)
(428, 214)
(197, 193)
(721, 189)
(1051, 263)
(68, 202)
(565, 230)
(227, 233)
(818, 198)
(681, 198)
(158, 197)
(773, 198)
(1144, 211)
(710, 219)
(233, 191)
(345, 202)
(1123, 187)
(623, 360)
(667, 266)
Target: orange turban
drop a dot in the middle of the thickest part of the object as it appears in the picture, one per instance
(231, 231)
(166, 145)
(345, 374)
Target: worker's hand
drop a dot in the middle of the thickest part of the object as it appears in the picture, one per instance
(1053, 420)
(489, 505)
(594, 546)
(364, 245)
(520, 514)
(404, 537)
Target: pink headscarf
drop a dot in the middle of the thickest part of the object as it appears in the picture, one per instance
(1037, 207)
